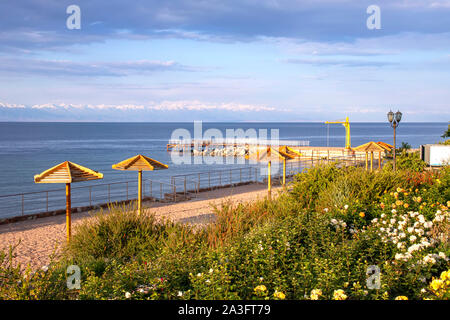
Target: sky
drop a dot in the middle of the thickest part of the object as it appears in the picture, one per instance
(224, 60)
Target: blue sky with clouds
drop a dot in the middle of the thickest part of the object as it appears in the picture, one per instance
(243, 60)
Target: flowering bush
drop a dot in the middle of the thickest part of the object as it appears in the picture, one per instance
(315, 242)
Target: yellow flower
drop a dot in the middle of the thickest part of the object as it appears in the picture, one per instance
(401, 298)
(339, 295)
(406, 205)
(436, 284)
(279, 295)
(260, 288)
(448, 203)
(399, 202)
(396, 195)
(362, 214)
(445, 275)
(315, 294)
(399, 189)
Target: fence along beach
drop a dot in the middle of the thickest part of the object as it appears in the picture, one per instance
(22, 206)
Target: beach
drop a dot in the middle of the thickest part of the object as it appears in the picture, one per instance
(39, 238)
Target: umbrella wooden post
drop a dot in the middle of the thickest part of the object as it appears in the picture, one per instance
(371, 161)
(68, 213)
(269, 182)
(367, 161)
(140, 191)
(379, 160)
(284, 171)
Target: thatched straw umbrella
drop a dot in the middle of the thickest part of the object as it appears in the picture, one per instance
(67, 172)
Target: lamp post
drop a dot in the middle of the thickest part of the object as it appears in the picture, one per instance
(394, 120)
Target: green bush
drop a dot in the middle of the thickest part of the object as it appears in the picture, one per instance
(408, 162)
(314, 242)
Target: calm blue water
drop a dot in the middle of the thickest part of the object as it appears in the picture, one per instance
(29, 148)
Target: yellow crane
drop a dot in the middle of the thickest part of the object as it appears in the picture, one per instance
(346, 124)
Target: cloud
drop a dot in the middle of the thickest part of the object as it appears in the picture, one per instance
(340, 62)
(72, 68)
(385, 45)
(41, 24)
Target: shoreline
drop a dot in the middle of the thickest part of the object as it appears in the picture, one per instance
(40, 237)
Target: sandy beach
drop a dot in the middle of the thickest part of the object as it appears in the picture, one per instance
(40, 237)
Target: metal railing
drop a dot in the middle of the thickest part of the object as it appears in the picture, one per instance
(85, 197)
(217, 178)
(180, 187)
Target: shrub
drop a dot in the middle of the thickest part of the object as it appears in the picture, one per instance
(315, 242)
(410, 162)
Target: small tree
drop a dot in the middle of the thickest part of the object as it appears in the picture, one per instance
(446, 133)
(404, 148)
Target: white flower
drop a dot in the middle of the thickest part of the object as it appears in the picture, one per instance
(44, 268)
(211, 270)
(442, 255)
(180, 293)
(428, 224)
(326, 209)
(412, 238)
(425, 243)
(127, 295)
(421, 219)
(394, 211)
(429, 259)
(199, 274)
(413, 248)
(346, 207)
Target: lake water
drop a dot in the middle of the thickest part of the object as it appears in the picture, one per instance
(28, 148)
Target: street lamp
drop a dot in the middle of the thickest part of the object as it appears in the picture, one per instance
(394, 120)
